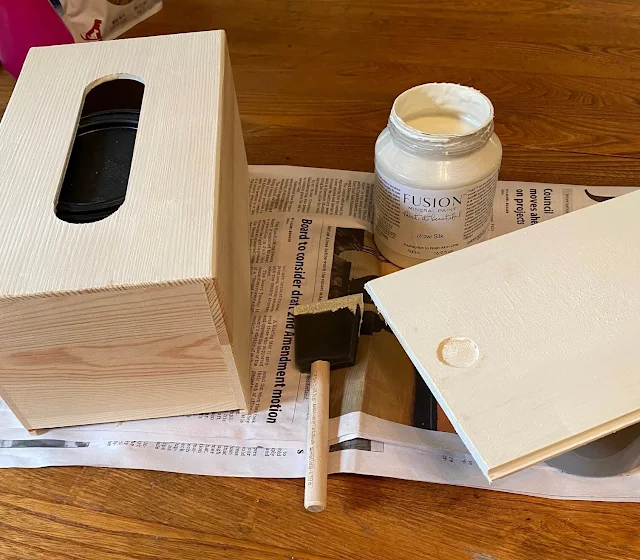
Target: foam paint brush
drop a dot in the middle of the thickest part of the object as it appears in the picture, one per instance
(326, 337)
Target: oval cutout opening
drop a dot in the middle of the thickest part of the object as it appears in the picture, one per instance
(97, 174)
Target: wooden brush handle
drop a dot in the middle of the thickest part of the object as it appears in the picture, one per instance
(315, 488)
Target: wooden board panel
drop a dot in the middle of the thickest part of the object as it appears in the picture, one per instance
(121, 354)
(529, 341)
(164, 230)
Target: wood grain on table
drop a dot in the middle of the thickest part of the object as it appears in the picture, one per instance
(315, 81)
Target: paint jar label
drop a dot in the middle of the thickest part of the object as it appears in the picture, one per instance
(424, 223)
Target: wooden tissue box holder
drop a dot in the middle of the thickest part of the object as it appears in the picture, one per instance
(142, 311)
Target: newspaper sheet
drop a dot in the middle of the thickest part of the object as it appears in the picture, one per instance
(311, 234)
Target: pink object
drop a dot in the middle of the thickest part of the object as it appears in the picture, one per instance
(25, 24)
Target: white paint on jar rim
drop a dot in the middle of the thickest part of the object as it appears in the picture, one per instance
(442, 109)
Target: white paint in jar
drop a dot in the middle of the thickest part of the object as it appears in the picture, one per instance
(437, 166)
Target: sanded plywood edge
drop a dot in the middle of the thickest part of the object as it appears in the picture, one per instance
(115, 355)
(552, 313)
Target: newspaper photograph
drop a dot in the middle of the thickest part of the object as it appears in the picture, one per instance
(311, 235)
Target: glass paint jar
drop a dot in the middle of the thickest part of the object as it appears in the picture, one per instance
(437, 164)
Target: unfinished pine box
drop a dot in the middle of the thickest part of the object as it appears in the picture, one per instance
(144, 313)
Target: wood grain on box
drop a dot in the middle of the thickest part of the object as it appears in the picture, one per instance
(146, 312)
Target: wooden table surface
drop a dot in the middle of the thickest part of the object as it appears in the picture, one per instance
(315, 82)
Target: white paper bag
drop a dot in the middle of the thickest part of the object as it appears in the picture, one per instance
(100, 20)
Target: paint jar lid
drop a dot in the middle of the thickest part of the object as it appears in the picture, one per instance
(611, 455)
